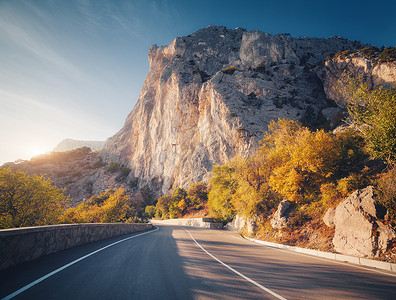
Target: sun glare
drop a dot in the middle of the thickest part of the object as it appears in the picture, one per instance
(35, 150)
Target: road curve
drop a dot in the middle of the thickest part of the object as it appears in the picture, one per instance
(191, 263)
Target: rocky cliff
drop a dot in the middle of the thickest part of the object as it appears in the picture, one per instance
(210, 96)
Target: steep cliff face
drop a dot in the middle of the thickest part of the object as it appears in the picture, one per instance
(210, 96)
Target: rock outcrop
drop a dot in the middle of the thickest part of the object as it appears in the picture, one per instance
(360, 65)
(210, 96)
(359, 230)
(281, 216)
(240, 223)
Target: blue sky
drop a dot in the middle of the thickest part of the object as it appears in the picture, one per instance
(74, 68)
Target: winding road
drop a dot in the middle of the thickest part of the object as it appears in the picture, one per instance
(171, 262)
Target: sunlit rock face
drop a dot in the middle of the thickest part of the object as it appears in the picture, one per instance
(210, 96)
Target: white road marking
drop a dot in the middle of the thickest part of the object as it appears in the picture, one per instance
(236, 272)
(21, 290)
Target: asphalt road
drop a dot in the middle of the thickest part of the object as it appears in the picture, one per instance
(192, 263)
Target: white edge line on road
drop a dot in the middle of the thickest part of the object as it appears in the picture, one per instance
(236, 272)
(366, 268)
(21, 290)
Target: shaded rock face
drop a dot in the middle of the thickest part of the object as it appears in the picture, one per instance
(194, 111)
(358, 229)
(281, 216)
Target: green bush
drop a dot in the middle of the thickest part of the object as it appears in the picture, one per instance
(124, 172)
(113, 167)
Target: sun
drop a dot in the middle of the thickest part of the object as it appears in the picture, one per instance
(35, 150)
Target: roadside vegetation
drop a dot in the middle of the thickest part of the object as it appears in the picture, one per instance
(111, 206)
(29, 200)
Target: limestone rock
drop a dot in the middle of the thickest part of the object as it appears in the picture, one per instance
(328, 218)
(280, 218)
(239, 223)
(210, 96)
(357, 228)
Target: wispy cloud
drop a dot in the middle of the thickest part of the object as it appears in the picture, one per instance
(32, 39)
(119, 17)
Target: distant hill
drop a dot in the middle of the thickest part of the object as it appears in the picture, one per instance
(69, 144)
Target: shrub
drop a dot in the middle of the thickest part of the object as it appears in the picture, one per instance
(351, 183)
(149, 211)
(330, 196)
(113, 167)
(124, 172)
(197, 195)
(110, 206)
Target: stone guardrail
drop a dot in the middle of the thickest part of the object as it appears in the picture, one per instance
(334, 256)
(195, 222)
(25, 244)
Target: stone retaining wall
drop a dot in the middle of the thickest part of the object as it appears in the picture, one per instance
(25, 244)
(196, 222)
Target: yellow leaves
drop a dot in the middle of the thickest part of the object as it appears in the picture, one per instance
(110, 206)
(28, 200)
(182, 206)
(301, 159)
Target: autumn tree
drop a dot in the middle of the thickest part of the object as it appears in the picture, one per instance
(108, 207)
(302, 160)
(197, 196)
(253, 195)
(373, 112)
(162, 207)
(220, 196)
(28, 200)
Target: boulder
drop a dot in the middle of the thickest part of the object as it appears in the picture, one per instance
(239, 223)
(281, 216)
(328, 218)
(358, 230)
